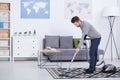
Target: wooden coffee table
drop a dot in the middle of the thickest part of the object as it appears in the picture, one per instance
(42, 62)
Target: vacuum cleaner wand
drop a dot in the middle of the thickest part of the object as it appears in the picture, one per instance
(72, 61)
(65, 73)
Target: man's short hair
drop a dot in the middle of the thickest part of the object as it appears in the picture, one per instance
(75, 19)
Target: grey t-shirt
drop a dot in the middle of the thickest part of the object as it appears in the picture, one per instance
(89, 30)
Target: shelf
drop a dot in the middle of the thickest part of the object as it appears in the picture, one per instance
(4, 46)
(4, 10)
(4, 28)
(4, 56)
(4, 38)
(5, 21)
(5, 31)
(4, 49)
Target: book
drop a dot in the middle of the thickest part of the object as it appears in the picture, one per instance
(4, 6)
(4, 34)
(6, 25)
(1, 24)
(4, 52)
(4, 43)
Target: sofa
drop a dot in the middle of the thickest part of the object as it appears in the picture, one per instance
(67, 45)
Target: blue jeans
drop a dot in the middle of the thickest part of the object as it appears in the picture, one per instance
(93, 53)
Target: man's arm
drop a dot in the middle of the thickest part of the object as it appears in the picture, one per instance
(82, 41)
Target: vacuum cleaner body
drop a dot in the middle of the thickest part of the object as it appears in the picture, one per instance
(109, 68)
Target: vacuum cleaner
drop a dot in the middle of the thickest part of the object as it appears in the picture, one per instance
(107, 68)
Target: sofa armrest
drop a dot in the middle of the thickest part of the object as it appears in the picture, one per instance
(43, 46)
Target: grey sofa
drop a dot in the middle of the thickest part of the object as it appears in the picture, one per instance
(66, 45)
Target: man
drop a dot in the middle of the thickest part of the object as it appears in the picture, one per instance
(95, 36)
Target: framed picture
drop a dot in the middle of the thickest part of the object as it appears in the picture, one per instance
(35, 9)
(81, 8)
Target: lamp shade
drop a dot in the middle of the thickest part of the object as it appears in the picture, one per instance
(111, 11)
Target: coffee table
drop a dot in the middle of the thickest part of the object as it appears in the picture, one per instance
(42, 62)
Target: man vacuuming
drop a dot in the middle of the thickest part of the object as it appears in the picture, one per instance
(88, 30)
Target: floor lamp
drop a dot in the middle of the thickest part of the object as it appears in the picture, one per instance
(111, 13)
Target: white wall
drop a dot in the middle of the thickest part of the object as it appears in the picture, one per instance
(118, 29)
(57, 25)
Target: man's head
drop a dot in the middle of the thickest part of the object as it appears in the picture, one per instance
(76, 21)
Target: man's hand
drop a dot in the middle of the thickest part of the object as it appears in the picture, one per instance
(77, 50)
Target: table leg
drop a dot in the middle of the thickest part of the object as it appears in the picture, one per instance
(38, 58)
(61, 59)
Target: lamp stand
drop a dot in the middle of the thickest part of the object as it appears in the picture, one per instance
(111, 37)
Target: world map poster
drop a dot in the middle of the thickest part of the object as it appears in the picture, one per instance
(35, 9)
(81, 8)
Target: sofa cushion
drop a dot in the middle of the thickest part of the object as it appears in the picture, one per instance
(66, 42)
(52, 41)
(76, 42)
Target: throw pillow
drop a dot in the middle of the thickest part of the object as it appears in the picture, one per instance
(66, 42)
(76, 42)
(52, 41)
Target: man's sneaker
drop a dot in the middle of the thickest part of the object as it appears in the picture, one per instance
(88, 71)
